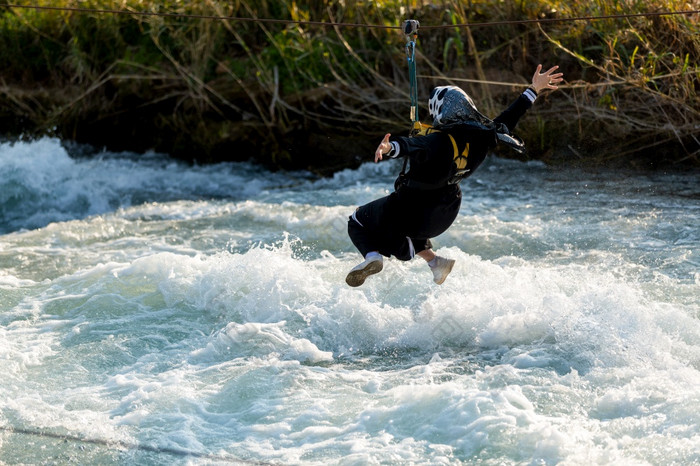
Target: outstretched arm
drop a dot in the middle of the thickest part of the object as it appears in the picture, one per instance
(400, 146)
(540, 81)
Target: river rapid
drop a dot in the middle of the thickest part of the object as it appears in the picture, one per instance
(153, 312)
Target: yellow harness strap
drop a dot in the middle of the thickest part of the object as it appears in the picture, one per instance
(421, 129)
(460, 160)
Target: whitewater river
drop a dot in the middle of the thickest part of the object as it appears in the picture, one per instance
(153, 312)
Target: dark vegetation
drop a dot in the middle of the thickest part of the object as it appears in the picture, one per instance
(320, 97)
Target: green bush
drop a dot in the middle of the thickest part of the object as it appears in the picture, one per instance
(633, 79)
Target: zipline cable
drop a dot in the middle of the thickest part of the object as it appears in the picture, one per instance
(570, 19)
(355, 25)
(197, 16)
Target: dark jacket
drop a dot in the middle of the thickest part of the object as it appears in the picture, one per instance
(453, 152)
(428, 204)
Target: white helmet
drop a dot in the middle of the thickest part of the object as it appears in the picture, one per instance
(450, 104)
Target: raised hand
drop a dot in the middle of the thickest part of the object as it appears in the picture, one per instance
(547, 80)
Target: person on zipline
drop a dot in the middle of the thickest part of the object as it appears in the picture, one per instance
(427, 198)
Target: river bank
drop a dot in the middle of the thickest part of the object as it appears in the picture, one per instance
(302, 96)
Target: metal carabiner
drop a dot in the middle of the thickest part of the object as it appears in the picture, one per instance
(410, 27)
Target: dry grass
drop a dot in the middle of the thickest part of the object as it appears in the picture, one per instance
(633, 83)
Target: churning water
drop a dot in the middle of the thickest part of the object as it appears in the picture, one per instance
(157, 313)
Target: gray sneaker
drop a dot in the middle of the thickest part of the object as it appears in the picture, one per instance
(442, 269)
(359, 273)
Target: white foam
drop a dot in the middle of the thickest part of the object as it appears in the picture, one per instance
(263, 340)
(40, 183)
(225, 326)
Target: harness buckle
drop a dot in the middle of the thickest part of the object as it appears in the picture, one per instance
(417, 127)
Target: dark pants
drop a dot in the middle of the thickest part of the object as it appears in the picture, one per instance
(402, 225)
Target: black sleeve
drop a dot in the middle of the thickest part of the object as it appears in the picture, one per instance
(512, 114)
(416, 147)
